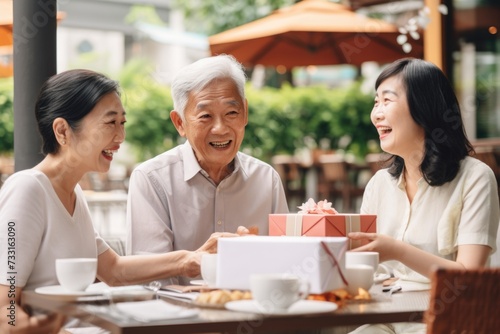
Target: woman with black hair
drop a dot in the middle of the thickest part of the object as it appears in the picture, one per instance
(81, 120)
(436, 205)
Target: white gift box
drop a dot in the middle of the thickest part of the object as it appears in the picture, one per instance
(320, 260)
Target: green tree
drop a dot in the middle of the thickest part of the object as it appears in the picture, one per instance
(280, 119)
(211, 17)
(148, 105)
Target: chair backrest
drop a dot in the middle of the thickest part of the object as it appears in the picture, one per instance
(377, 161)
(487, 155)
(333, 166)
(464, 301)
(286, 166)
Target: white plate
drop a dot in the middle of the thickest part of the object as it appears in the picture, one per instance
(57, 290)
(300, 307)
(198, 282)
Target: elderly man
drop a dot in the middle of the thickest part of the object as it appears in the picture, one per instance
(180, 197)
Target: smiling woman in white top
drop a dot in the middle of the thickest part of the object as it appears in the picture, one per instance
(436, 206)
(43, 213)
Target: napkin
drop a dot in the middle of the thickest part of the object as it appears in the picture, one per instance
(407, 285)
(412, 285)
(152, 310)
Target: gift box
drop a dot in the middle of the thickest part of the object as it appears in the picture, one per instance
(328, 225)
(320, 260)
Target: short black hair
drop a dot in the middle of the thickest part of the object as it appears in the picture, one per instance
(70, 95)
(433, 106)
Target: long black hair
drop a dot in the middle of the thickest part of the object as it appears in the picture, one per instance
(434, 106)
(70, 95)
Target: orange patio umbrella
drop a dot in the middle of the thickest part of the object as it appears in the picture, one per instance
(6, 41)
(6, 23)
(6, 37)
(312, 32)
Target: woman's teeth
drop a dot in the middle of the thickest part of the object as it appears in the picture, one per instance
(109, 153)
(384, 130)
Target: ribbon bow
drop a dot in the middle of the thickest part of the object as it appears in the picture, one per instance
(322, 207)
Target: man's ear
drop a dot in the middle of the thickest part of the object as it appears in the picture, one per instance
(61, 130)
(178, 122)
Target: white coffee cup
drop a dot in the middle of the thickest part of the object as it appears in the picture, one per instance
(76, 274)
(209, 268)
(358, 276)
(369, 258)
(277, 292)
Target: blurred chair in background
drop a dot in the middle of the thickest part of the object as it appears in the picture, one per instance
(491, 157)
(464, 301)
(293, 179)
(377, 161)
(338, 180)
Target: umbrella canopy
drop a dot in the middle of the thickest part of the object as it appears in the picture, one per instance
(5, 23)
(312, 32)
(6, 37)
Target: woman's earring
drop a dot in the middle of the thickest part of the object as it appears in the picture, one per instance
(64, 142)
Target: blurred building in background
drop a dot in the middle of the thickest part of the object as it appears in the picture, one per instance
(105, 34)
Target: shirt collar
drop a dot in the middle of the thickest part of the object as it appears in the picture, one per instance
(402, 183)
(192, 167)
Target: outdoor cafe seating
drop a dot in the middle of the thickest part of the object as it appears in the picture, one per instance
(292, 174)
(338, 179)
(325, 175)
(464, 301)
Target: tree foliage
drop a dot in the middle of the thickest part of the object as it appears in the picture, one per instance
(284, 120)
(211, 17)
(148, 105)
(6, 115)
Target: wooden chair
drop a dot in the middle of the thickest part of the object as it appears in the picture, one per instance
(336, 181)
(489, 156)
(377, 161)
(292, 178)
(464, 301)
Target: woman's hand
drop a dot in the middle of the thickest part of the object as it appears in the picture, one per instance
(25, 324)
(191, 266)
(210, 246)
(386, 246)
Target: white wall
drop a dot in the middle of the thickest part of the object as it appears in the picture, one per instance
(107, 55)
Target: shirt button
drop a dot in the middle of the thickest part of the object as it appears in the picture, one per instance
(219, 222)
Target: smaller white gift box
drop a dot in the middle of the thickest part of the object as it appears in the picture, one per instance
(320, 260)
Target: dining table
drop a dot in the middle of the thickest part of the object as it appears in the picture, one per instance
(382, 307)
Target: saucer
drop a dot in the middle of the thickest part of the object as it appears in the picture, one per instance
(300, 307)
(198, 282)
(59, 291)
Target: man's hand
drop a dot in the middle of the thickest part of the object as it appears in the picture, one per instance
(252, 230)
